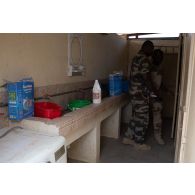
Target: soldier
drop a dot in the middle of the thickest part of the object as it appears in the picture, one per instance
(140, 88)
(156, 102)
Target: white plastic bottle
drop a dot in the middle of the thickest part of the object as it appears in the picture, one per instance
(97, 93)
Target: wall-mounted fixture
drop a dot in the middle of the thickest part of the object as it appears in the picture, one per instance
(75, 55)
(153, 36)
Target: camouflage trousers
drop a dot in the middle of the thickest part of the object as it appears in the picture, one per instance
(157, 117)
(138, 124)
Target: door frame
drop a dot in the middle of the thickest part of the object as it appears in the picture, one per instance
(188, 64)
(177, 87)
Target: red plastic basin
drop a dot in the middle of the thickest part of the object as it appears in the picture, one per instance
(47, 110)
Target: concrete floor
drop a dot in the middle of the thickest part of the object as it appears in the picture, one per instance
(113, 151)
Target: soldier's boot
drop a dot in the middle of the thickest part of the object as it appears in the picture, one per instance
(137, 146)
(128, 141)
(129, 133)
(142, 147)
(159, 139)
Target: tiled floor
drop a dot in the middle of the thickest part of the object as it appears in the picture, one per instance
(113, 151)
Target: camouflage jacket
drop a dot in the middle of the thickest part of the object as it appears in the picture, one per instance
(140, 66)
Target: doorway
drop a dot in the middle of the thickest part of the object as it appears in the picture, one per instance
(171, 68)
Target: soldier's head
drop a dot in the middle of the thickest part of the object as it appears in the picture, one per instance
(157, 57)
(147, 48)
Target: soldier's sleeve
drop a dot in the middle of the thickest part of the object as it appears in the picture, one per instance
(145, 66)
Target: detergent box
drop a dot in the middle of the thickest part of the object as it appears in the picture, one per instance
(21, 99)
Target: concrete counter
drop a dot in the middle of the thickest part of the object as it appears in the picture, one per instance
(82, 128)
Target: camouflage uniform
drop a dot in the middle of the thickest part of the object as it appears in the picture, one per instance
(139, 98)
(157, 103)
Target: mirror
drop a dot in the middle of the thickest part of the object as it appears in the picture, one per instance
(75, 55)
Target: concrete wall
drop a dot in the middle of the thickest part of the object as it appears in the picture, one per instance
(188, 149)
(44, 57)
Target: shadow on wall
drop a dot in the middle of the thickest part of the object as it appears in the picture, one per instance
(169, 68)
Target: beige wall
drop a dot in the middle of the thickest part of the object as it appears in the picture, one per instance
(44, 57)
(188, 131)
(189, 152)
